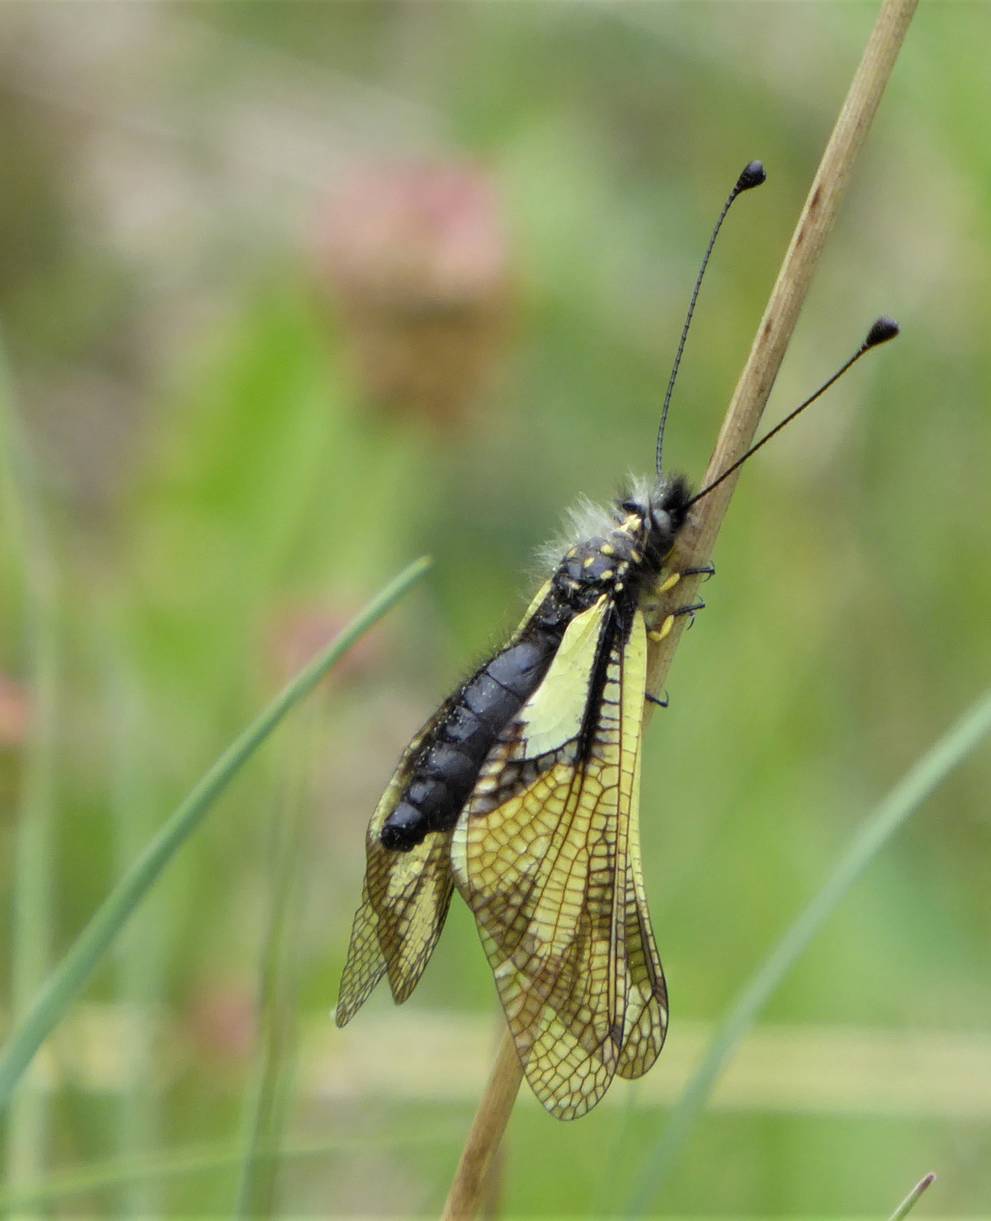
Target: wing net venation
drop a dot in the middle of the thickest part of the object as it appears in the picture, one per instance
(546, 853)
(404, 903)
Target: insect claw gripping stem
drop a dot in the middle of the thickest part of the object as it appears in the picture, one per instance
(690, 611)
(704, 570)
(656, 699)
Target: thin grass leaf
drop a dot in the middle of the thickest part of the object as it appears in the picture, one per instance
(271, 1094)
(180, 1164)
(906, 797)
(913, 1197)
(141, 967)
(68, 979)
(33, 883)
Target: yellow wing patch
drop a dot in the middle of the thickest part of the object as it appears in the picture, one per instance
(546, 853)
(555, 712)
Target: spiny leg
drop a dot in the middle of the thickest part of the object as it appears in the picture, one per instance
(658, 634)
(690, 611)
(672, 579)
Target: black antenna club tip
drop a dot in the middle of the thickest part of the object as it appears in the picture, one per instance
(753, 175)
(884, 329)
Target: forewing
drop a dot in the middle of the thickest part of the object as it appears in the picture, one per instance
(646, 996)
(542, 854)
(404, 902)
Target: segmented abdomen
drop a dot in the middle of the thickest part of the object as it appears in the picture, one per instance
(446, 766)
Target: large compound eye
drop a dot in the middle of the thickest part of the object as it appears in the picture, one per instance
(661, 519)
(631, 506)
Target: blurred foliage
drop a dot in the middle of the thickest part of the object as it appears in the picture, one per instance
(214, 474)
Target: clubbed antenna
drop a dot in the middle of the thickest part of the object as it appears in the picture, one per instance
(884, 329)
(753, 175)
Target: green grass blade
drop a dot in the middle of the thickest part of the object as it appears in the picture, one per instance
(33, 884)
(913, 1197)
(918, 783)
(184, 1163)
(270, 1098)
(67, 980)
(142, 964)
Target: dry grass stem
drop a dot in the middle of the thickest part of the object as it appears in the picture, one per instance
(739, 426)
(468, 1189)
(822, 205)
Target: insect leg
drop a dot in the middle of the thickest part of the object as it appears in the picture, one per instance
(690, 611)
(658, 633)
(672, 579)
(654, 699)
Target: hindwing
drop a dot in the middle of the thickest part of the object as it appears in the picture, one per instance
(546, 853)
(405, 895)
(404, 902)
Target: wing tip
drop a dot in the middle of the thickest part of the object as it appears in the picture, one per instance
(348, 1004)
(571, 1106)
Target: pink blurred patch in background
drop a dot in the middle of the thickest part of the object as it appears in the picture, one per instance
(416, 257)
(15, 713)
(221, 1024)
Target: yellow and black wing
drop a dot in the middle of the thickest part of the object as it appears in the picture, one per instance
(546, 853)
(404, 902)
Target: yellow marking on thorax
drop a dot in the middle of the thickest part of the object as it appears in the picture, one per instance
(669, 583)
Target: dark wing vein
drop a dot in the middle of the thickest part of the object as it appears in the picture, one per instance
(647, 997)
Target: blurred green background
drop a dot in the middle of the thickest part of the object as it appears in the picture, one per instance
(291, 294)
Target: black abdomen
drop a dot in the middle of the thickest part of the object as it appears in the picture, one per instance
(447, 764)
